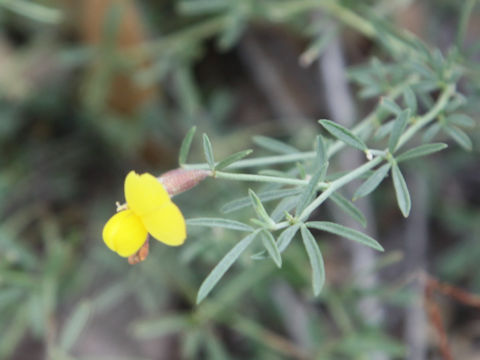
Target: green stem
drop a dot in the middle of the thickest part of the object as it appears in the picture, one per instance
(261, 178)
(337, 184)
(439, 106)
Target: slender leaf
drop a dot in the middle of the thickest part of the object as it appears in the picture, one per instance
(460, 137)
(421, 150)
(398, 127)
(232, 158)
(349, 208)
(315, 258)
(259, 208)
(384, 130)
(390, 105)
(431, 132)
(310, 190)
(271, 246)
(343, 134)
(222, 267)
(219, 222)
(207, 149)
(287, 204)
(274, 145)
(461, 120)
(286, 237)
(345, 232)
(401, 190)
(410, 100)
(156, 328)
(372, 182)
(75, 325)
(265, 196)
(186, 144)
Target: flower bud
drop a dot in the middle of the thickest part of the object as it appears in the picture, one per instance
(179, 180)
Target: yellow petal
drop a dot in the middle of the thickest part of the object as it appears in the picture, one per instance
(167, 225)
(124, 233)
(144, 193)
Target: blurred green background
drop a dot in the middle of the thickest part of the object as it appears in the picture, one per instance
(90, 90)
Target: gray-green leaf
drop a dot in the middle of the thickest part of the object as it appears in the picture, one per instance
(271, 246)
(286, 237)
(274, 145)
(421, 150)
(222, 267)
(219, 222)
(345, 232)
(460, 137)
(398, 128)
(349, 208)
(372, 182)
(186, 144)
(207, 149)
(231, 159)
(316, 260)
(401, 191)
(343, 134)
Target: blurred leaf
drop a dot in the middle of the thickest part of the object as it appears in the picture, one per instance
(316, 260)
(286, 237)
(259, 208)
(421, 150)
(310, 190)
(75, 325)
(460, 137)
(390, 105)
(264, 196)
(349, 208)
(186, 144)
(410, 100)
(214, 348)
(345, 232)
(398, 127)
(271, 246)
(401, 190)
(431, 132)
(461, 120)
(157, 328)
(274, 145)
(222, 267)
(343, 134)
(286, 205)
(232, 159)
(372, 182)
(219, 222)
(207, 149)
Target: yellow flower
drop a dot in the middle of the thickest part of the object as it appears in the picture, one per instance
(149, 210)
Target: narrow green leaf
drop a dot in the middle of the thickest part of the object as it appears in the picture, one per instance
(401, 190)
(264, 196)
(232, 158)
(315, 258)
(431, 132)
(221, 268)
(461, 120)
(219, 222)
(75, 325)
(207, 149)
(421, 150)
(310, 190)
(460, 137)
(372, 182)
(156, 328)
(398, 127)
(259, 208)
(349, 208)
(271, 246)
(274, 145)
(287, 204)
(390, 105)
(186, 144)
(345, 232)
(343, 134)
(286, 237)
(384, 130)
(410, 100)
(321, 157)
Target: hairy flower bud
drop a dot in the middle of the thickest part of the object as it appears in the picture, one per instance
(179, 180)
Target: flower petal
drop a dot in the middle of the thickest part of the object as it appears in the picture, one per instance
(124, 233)
(144, 193)
(167, 225)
